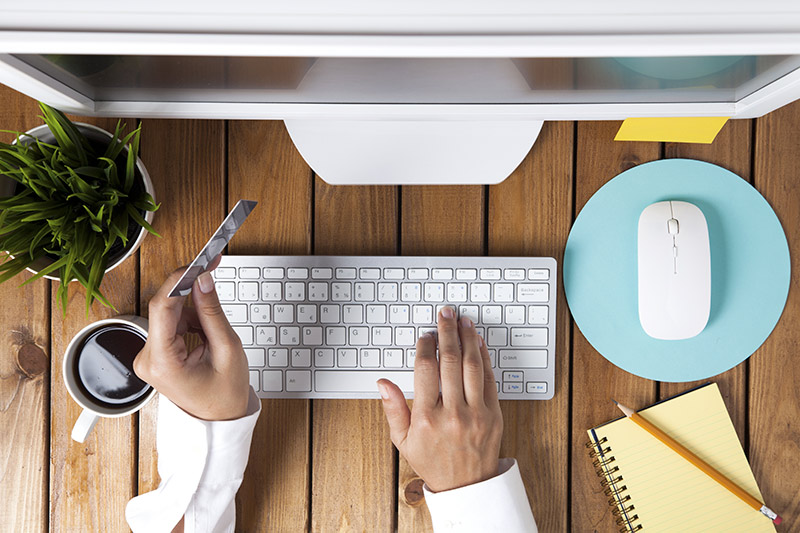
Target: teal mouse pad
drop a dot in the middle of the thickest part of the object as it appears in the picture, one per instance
(750, 270)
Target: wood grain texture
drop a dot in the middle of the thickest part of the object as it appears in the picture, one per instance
(263, 165)
(731, 150)
(530, 214)
(353, 474)
(186, 161)
(595, 380)
(774, 408)
(435, 220)
(24, 374)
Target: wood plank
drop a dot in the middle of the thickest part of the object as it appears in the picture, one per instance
(90, 483)
(24, 373)
(774, 373)
(436, 220)
(263, 165)
(595, 380)
(732, 150)
(186, 161)
(530, 215)
(353, 477)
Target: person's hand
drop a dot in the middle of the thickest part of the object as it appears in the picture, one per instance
(211, 382)
(453, 439)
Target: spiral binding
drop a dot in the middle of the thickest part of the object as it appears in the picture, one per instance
(600, 453)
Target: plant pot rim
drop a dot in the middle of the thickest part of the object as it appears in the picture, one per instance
(146, 181)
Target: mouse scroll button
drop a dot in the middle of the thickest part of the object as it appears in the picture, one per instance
(672, 226)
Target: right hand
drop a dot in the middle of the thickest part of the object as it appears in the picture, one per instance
(211, 382)
(453, 439)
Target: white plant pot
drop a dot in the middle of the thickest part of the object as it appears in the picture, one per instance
(7, 187)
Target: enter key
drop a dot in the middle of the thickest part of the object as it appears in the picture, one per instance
(524, 337)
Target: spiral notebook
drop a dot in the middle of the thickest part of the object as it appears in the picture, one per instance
(652, 489)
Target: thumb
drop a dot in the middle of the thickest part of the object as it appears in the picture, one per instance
(398, 415)
(216, 327)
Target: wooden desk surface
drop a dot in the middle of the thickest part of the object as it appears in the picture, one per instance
(328, 465)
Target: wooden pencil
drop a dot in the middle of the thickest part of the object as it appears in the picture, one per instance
(699, 463)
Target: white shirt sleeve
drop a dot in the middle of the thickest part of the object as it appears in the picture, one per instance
(497, 504)
(201, 465)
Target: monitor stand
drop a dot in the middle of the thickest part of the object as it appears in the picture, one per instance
(400, 152)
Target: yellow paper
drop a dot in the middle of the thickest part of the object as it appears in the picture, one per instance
(701, 130)
(669, 493)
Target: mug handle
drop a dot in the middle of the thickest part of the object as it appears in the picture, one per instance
(84, 425)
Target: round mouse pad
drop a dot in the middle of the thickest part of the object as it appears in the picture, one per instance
(750, 270)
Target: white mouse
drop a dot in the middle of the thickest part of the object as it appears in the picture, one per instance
(674, 270)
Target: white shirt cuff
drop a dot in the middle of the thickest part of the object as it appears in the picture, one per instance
(201, 464)
(497, 504)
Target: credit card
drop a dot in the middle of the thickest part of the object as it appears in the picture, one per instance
(214, 246)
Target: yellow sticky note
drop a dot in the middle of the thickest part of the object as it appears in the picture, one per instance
(701, 130)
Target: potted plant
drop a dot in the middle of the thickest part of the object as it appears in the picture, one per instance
(75, 201)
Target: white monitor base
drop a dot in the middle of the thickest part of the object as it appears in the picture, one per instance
(398, 152)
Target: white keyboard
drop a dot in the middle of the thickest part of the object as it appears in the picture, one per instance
(330, 326)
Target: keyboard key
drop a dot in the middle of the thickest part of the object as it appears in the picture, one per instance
(523, 358)
(369, 273)
(271, 381)
(278, 357)
(493, 357)
(254, 381)
(259, 313)
(297, 273)
(512, 387)
(256, 357)
(301, 358)
(399, 314)
(515, 314)
(298, 381)
(490, 274)
(346, 358)
(235, 313)
(392, 358)
(365, 292)
(245, 333)
(382, 336)
(468, 274)
(370, 358)
(422, 314)
(470, 311)
(504, 292)
(335, 336)
(536, 387)
(341, 292)
(404, 337)
(321, 273)
(272, 273)
(411, 292)
(376, 314)
(271, 291)
(417, 273)
(443, 273)
(533, 292)
(360, 381)
(456, 292)
(295, 292)
(323, 357)
(497, 337)
(318, 292)
(528, 337)
(394, 273)
(290, 335)
(387, 292)
(266, 335)
(306, 313)
(411, 356)
(434, 292)
(329, 314)
(224, 273)
(283, 313)
(249, 273)
(480, 292)
(514, 274)
(492, 314)
(511, 375)
(226, 291)
(345, 273)
(538, 274)
(312, 336)
(353, 314)
(359, 336)
(538, 314)
(248, 291)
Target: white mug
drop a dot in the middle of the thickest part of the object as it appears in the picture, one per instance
(92, 410)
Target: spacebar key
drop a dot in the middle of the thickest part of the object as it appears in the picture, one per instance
(344, 381)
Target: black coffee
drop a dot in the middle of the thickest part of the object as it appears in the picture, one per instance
(105, 366)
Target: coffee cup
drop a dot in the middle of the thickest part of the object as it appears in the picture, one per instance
(98, 371)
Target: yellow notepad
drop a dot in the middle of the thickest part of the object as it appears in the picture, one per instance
(667, 493)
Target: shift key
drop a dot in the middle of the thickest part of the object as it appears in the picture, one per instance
(523, 358)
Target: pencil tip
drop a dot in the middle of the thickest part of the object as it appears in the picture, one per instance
(615, 401)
